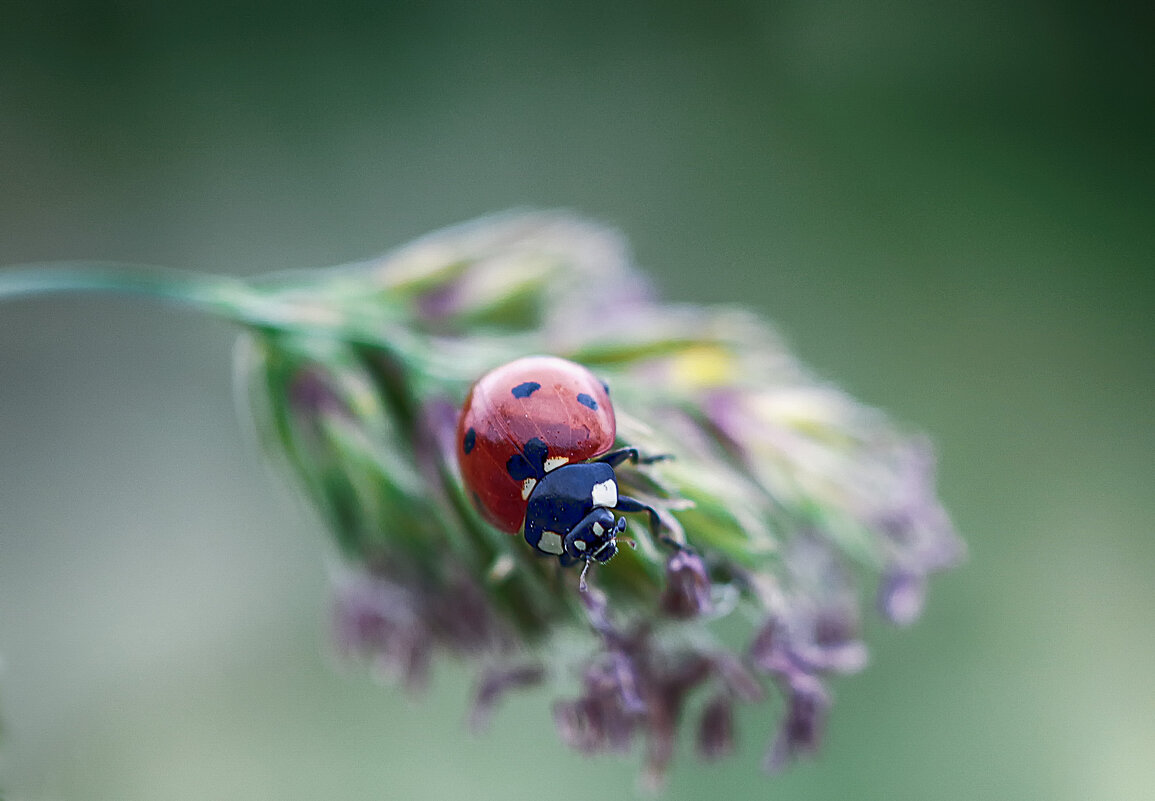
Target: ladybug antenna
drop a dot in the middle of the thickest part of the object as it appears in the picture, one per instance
(630, 541)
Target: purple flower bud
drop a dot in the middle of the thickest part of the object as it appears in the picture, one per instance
(493, 686)
(460, 617)
(439, 303)
(616, 680)
(671, 678)
(687, 593)
(311, 394)
(379, 620)
(833, 645)
(397, 626)
(816, 630)
(769, 652)
(576, 725)
(411, 662)
(737, 679)
(807, 648)
(605, 716)
(365, 611)
(918, 530)
(800, 732)
(901, 595)
(597, 612)
(716, 729)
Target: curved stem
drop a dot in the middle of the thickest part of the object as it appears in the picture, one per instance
(217, 295)
(226, 298)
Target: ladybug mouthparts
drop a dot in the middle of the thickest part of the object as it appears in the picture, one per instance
(609, 547)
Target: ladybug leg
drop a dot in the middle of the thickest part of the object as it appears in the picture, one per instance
(593, 537)
(628, 504)
(615, 458)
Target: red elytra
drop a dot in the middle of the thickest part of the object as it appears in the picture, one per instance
(557, 401)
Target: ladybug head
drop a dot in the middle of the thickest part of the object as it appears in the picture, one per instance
(597, 543)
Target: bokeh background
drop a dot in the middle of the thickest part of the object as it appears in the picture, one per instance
(948, 208)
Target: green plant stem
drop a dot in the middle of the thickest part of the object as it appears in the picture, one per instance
(262, 309)
(219, 296)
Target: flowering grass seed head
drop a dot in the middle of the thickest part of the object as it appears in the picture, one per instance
(780, 497)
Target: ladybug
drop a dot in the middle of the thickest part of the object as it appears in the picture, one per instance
(534, 444)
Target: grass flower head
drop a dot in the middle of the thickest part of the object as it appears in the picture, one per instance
(780, 501)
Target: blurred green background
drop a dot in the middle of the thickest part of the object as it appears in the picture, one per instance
(948, 208)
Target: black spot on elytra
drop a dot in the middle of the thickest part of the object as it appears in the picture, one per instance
(519, 468)
(587, 401)
(470, 440)
(606, 387)
(530, 463)
(526, 389)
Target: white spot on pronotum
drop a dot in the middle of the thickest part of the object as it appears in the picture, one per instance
(554, 462)
(579, 544)
(527, 487)
(605, 494)
(550, 542)
(599, 529)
